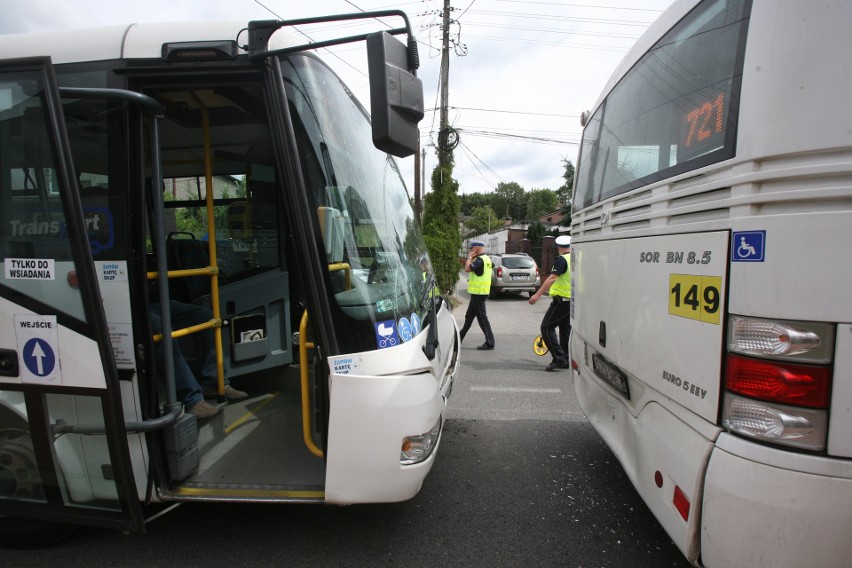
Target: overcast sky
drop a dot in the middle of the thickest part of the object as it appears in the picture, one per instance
(520, 72)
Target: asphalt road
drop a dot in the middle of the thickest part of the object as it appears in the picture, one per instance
(521, 479)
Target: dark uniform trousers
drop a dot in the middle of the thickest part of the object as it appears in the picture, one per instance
(476, 310)
(558, 315)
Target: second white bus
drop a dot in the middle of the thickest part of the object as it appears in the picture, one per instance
(712, 321)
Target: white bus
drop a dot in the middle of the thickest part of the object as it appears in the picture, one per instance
(712, 320)
(224, 165)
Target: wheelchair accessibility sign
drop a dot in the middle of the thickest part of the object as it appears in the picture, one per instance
(38, 345)
(748, 246)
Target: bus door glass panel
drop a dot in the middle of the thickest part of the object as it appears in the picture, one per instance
(44, 323)
(243, 173)
(253, 282)
(34, 247)
(363, 210)
(83, 461)
(80, 474)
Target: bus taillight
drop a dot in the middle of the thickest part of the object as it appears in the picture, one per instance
(799, 385)
(778, 381)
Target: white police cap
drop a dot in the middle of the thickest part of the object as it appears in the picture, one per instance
(563, 241)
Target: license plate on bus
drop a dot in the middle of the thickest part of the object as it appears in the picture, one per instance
(609, 373)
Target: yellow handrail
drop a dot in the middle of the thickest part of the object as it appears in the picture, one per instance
(183, 332)
(304, 345)
(211, 243)
(213, 270)
(346, 268)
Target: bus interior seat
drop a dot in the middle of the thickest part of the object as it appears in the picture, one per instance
(186, 252)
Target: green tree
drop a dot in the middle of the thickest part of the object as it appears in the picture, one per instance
(482, 220)
(541, 201)
(442, 208)
(535, 232)
(471, 201)
(566, 192)
(510, 200)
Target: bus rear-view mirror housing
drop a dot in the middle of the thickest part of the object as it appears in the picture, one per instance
(396, 96)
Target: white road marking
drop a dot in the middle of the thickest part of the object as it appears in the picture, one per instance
(515, 389)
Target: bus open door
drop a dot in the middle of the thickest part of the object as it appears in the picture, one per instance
(64, 448)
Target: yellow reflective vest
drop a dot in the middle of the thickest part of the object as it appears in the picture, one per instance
(435, 291)
(562, 285)
(481, 285)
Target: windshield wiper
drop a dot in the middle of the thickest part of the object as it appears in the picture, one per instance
(432, 341)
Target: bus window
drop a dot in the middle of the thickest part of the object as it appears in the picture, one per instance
(665, 117)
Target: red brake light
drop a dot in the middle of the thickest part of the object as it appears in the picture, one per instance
(787, 383)
(499, 272)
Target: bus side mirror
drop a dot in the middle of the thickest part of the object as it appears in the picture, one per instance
(396, 96)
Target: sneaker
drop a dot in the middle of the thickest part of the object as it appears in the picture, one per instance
(202, 410)
(485, 347)
(230, 393)
(554, 366)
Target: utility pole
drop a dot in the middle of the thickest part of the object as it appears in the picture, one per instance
(445, 72)
(418, 165)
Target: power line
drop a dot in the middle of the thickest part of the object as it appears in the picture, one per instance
(470, 153)
(553, 30)
(554, 17)
(534, 139)
(562, 4)
(466, 9)
(611, 48)
(507, 111)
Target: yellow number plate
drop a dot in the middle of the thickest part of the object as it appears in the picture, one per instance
(696, 297)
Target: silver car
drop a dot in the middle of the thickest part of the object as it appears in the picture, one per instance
(514, 273)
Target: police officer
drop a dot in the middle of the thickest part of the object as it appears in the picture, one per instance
(424, 272)
(479, 267)
(558, 314)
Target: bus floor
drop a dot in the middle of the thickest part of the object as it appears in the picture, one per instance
(254, 450)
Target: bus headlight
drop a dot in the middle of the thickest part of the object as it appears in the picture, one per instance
(415, 449)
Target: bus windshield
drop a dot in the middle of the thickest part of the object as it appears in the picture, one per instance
(375, 251)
